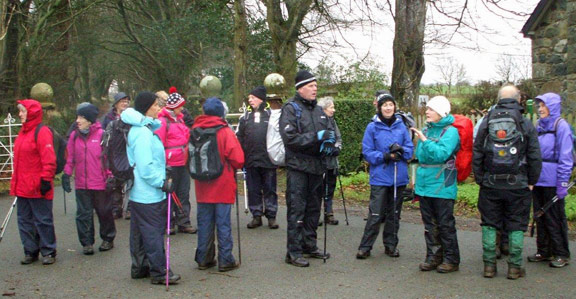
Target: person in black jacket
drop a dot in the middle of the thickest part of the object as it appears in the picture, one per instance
(506, 168)
(260, 172)
(308, 137)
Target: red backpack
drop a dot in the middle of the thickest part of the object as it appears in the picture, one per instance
(464, 156)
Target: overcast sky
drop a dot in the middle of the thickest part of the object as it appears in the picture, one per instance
(499, 37)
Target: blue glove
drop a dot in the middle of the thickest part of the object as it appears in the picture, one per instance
(326, 135)
(562, 190)
(327, 148)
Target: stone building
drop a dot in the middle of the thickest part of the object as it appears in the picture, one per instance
(552, 28)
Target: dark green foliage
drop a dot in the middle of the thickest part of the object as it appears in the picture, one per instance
(352, 117)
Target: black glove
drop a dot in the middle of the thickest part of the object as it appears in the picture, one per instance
(335, 152)
(397, 149)
(391, 157)
(45, 186)
(168, 187)
(168, 172)
(66, 183)
(326, 148)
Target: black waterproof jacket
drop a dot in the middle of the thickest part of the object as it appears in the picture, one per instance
(529, 173)
(303, 147)
(252, 136)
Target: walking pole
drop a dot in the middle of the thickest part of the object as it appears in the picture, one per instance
(325, 217)
(7, 219)
(544, 208)
(343, 199)
(238, 220)
(168, 244)
(245, 191)
(64, 191)
(395, 197)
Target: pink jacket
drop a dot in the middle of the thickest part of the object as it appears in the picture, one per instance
(174, 137)
(85, 159)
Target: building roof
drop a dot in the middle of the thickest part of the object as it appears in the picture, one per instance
(533, 22)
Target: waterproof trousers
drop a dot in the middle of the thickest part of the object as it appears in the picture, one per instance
(303, 198)
(36, 226)
(552, 227)
(214, 218)
(181, 181)
(262, 197)
(385, 208)
(86, 202)
(440, 230)
(331, 177)
(147, 229)
(116, 194)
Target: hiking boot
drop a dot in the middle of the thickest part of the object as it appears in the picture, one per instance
(256, 222)
(447, 268)
(515, 273)
(539, 258)
(140, 274)
(88, 250)
(362, 255)
(29, 259)
(173, 279)
(272, 223)
(127, 215)
(207, 265)
(392, 252)
(172, 231)
(187, 230)
(49, 259)
(298, 262)
(317, 254)
(227, 268)
(490, 270)
(105, 246)
(331, 220)
(559, 262)
(429, 265)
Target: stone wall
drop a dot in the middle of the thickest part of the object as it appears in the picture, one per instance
(554, 52)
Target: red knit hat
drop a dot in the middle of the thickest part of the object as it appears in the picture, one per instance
(175, 100)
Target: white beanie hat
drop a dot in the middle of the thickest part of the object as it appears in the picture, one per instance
(440, 104)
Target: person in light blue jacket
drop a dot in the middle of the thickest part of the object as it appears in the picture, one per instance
(386, 146)
(148, 205)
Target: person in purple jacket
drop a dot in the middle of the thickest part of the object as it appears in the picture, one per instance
(555, 137)
(85, 162)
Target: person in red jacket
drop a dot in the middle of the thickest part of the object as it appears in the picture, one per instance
(216, 197)
(32, 179)
(174, 134)
(85, 162)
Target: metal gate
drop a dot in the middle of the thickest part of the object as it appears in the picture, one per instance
(8, 131)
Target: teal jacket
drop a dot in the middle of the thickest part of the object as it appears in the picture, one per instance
(146, 154)
(433, 177)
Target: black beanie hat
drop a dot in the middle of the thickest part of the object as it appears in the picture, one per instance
(144, 101)
(259, 92)
(383, 97)
(88, 111)
(303, 77)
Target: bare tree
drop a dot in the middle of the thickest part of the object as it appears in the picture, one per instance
(240, 48)
(452, 72)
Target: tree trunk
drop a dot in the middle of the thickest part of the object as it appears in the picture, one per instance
(408, 49)
(9, 63)
(240, 47)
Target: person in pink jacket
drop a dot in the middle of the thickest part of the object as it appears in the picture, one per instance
(174, 134)
(85, 162)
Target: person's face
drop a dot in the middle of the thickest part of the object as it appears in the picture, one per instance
(329, 111)
(254, 101)
(22, 113)
(543, 110)
(122, 104)
(308, 91)
(154, 110)
(432, 116)
(387, 109)
(177, 111)
(82, 123)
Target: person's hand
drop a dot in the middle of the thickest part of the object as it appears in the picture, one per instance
(336, 152)
(326, 135)
(562, 190)
(45, 186)
(326, 148)
(168, 187)
(397, 149)
(531, 187)
(419, 134)
(168, 172)
(392, 157)
(66, 183)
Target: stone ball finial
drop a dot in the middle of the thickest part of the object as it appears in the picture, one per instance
(210, 86)
(43, 93)
(275, 85)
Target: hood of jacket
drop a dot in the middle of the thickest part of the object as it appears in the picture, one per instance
(34, 114)
(379, 124)
(554, 104)
(167, 114)
(208, 121)
(444, 121)
(510, 103)
(137, 119)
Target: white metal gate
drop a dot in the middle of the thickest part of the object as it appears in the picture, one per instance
(8, 131)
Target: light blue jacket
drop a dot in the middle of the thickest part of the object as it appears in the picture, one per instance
(434, 181)
(146, 154)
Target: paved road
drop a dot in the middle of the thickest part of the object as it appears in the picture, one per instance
(263, 273)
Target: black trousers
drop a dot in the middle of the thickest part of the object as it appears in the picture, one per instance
(331, 177)
(501, 208)
(86, 202)
(440, 230)
(303, 197)
(552, 227)
(147, 229)
(181, 181)
(36, 226)
(262, 197)
(383, 208)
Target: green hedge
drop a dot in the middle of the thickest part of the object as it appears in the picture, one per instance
(352, 117)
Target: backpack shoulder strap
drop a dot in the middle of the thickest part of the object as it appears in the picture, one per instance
(40, 125)
(298, 112)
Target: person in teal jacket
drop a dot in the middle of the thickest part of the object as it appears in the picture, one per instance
(436, 186)
(148, 205)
